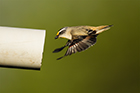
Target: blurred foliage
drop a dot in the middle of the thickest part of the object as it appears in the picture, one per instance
(110, 66)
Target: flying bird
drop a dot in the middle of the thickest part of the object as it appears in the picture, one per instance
(79, 38)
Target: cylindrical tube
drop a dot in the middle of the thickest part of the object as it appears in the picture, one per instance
(21, 48)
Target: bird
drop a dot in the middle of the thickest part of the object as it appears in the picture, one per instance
(79, 38)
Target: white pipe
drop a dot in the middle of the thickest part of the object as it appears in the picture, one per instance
(21, 48)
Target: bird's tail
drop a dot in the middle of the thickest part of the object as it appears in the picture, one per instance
(100, 29)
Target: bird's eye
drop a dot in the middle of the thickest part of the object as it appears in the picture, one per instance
(62, 32)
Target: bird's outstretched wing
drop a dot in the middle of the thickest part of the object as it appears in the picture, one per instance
(79, 45)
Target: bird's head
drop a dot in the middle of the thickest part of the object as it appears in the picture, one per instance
(62, 33)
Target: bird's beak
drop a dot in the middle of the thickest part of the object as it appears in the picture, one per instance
(56, 36)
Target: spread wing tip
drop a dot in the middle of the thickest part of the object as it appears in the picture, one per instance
(58, 49)
(60, 57)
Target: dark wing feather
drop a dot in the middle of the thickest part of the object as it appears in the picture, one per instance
(79, 45)
(61, 48)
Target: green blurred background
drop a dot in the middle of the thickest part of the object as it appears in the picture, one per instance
(110, 66)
